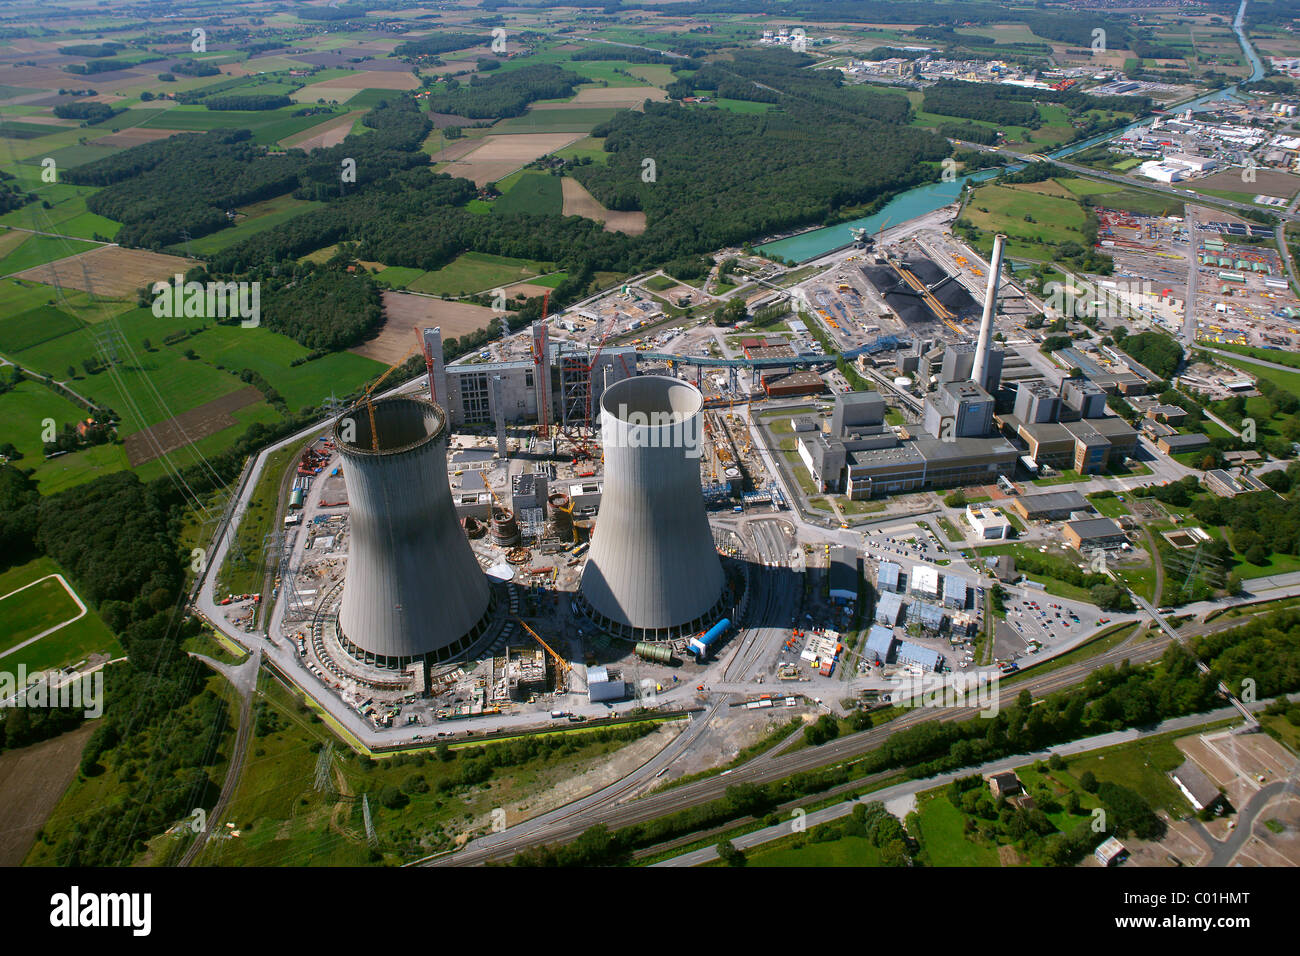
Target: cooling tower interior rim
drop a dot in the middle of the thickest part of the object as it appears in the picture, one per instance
(404, 424)
(651, 395)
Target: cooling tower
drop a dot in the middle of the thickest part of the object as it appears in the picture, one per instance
(653, 572)
(413, 588)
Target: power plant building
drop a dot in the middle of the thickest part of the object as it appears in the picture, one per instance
(653, 572)
(413, 590)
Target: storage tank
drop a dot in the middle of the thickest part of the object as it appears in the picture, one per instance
(700, 645)
(658, 653)
(413, 590)
(654, 572)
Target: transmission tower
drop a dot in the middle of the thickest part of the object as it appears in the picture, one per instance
(323, 762)
(371, 836)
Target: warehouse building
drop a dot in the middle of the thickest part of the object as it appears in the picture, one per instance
(889, 608)
(1092, 533)
(1050, 506)
(914, 655)
(880, 642)
(843, 574)
(888, 577)
(925, 581)
(954, 592)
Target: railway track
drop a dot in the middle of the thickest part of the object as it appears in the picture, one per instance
(768, 768)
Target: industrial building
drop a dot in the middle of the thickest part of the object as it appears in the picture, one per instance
(1050, 505)
(925, 581)
(1092, 533)
(880, 642)
(1227, 485)
(922, 658)
(887, 577)
(561, 385)
(1069, 430)
(889, 608)
(413, 590)
(653, 571)
(954, 592)
(843, 574)
(601, 686)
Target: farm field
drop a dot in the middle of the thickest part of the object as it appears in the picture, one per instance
(111, 271)
(31, 251)
(560, 119)
(473, 272)
(252, 219)
(405, 311)
(29, 612)
(579, 202)
(498, 156)
(32, 779)
(536, 194)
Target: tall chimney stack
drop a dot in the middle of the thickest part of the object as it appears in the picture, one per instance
(979, 372)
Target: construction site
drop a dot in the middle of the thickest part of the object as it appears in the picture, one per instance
(428, 573)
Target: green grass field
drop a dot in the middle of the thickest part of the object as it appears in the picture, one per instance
(38, 250)
(33, 327)
(27, 613)
(537, 194)
(476, 272)
(1004, 209)
(575, 120)
(846, 851)
(943, 841)
(253, 219)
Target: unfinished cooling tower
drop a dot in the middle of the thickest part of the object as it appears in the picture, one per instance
(653, 572)
(414, 589)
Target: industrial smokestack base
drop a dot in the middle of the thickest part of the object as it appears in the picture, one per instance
(654, 572)
(413, 590)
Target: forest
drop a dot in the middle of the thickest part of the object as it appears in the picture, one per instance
(247, 101)
(1158, 352)
(504, 94)
(795, 173)
(90, 112)
(437, 43)
(183, 186)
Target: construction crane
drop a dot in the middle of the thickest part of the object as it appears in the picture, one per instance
(562, 667)
(365, 396)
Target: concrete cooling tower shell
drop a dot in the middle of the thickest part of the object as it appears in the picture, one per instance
(653, 571)
(413, 588)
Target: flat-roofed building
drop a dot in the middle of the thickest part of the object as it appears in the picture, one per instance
(1227, 485)
(880, 642)
(1092, 533)
(954, 592)
(1176, 444)
(989, 523)
(1050, 505)
(888, 608)
(924, 581)
(844, 574)
(888, 577)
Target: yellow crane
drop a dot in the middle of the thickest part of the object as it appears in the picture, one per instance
(562, 666)
(365, 397)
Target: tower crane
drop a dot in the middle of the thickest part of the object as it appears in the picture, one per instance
(365, 396)
(562, 667)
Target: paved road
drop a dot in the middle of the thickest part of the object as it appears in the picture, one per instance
(1222, 851)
